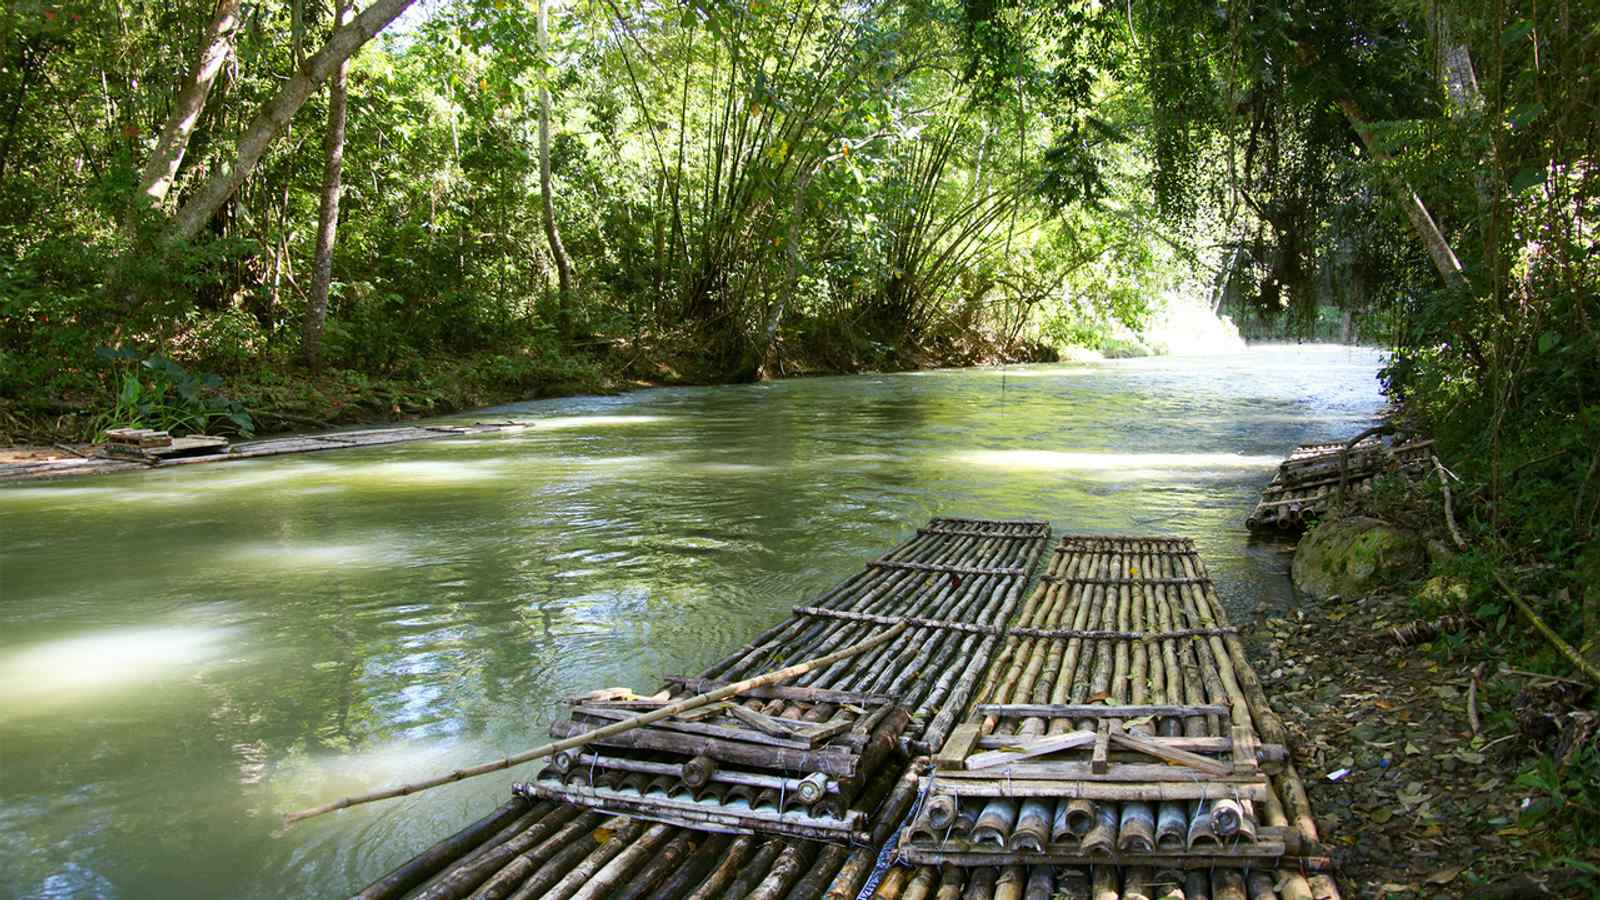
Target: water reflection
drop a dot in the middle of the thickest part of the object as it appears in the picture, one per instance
(390, 611)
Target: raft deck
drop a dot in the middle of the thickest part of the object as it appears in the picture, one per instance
(960, 583)
(1306, 484)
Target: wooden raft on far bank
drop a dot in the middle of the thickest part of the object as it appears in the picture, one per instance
(209, 450)
(1307, 483)
(966, 642)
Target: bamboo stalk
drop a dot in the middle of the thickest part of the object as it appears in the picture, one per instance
(711, 851)
(534, 845)
(660, 868)
(723, 874)
(420, 867)
(1565, 649)
(731, 690)
(556, 867)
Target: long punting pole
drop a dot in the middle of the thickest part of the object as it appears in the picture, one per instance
(654, 715)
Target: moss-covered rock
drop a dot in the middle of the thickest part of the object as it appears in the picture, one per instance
(1353, 556)
(1443, 592)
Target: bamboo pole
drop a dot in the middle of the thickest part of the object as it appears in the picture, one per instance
(422, 866)
(1566, 649)
(642, 719)
(528, 849)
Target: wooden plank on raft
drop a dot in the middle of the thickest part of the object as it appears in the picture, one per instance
(1115, 771)
(782, 692)
(1246, 751)
(771, 725)
(812, 733)
(717, 731)
(1264, 752)
(1102, 736)
(998, 785)
(1028, 749)
(1097, 711)
(1171, 754)
(956, 747)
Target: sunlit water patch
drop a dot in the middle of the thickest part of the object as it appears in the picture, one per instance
(1112, 463)
(91, 666)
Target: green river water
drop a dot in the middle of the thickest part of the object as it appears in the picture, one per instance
(186, 654)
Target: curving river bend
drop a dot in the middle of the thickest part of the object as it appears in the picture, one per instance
(185, 654)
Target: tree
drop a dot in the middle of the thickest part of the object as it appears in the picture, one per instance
(270, 120)
(547, 200)
(162, 167)
(328, 212)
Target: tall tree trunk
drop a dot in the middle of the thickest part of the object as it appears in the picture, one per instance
(155, 180)
(1439, 251)
(1461, 86)
(328, 216)
(277, 111)
(551, 232)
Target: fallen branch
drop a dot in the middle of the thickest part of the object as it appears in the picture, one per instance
(1539, 625)
(579, 740)
(1449, 504)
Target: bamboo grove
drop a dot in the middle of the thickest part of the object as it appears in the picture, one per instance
(733, 181)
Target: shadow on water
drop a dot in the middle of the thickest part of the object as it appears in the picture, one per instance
(186, 654)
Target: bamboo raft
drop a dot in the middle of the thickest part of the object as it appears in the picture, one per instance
(955, 589)
(1307, 483)
(1117, 728)
(191, 451)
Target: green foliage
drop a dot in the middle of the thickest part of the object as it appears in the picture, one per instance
(155, 392)
(1571, 803)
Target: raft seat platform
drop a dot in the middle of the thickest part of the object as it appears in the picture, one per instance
(780, 761)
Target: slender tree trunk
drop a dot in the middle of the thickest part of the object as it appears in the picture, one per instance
(155, 180)
(275, 114)
(1439, 251)
(553, 234)
(328, 216)
(1461, 86)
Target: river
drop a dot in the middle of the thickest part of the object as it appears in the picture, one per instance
(186, 654)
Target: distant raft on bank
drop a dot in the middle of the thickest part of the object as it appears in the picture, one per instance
(1307, 484)
(135, 449)
(1103, 738)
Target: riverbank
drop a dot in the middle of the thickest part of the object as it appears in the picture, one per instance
(283, 398)
(1414, 801)
(1441, 728)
